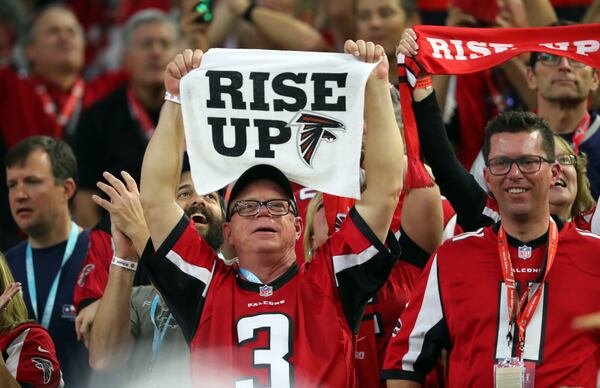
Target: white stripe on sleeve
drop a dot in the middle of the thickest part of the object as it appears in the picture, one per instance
(194, 271)
(429, 315)
(343, 262)
(14, 353)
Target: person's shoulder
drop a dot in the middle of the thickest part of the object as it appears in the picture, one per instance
(16, 253)
(84, 237)
(459, 246)
(459, 241)
(105, 107)
(592, 137)
(582, 247)
(572, 233)
(36, 332)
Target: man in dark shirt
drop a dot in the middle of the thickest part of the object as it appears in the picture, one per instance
(40, 173)
(113, 134)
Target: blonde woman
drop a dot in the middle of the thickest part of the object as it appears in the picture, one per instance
(316, 231)
(571, 198)
(28, 355)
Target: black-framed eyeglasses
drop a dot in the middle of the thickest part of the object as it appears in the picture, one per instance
(566, 160)
(275, 207)
(527, 164)
(552, 60)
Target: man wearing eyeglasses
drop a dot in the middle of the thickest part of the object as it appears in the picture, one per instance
(266, 321)
(501, 299)
(563, 86)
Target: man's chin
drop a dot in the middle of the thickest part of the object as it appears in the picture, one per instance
(201, 228)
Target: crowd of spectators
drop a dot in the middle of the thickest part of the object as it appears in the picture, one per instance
(84, 124)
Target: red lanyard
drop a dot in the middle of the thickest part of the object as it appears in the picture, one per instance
(139, 114)
(580, 132)
(516, 313)
(68, 108)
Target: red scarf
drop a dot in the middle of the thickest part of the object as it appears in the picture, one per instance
(453, 50)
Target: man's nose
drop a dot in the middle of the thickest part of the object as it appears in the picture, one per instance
(514, 171)
(564, 63)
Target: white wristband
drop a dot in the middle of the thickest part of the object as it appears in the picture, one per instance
(172, 98)
(130, 265)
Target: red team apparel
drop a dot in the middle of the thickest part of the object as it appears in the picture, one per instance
(29, 106)
(383, 310)
(295, 331)
(94, 272)
(460, 304)
(29, 355)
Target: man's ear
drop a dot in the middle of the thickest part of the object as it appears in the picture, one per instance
(69, 187)
(531, 78)
(596, 80)
(486, 178)
(299, 227)
(227, 233)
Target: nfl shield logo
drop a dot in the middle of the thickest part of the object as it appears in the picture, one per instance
(524, 252)
(266, 290)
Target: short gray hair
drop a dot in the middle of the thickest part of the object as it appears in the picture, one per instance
(146, 16)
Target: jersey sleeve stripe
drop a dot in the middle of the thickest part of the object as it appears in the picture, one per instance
(449, 229)
(194, 271)
(494, 215)
(428, 317)
(343, 262)
(588, 234)
(14, 353)
(478, 233)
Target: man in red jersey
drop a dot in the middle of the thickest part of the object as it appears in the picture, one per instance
(266, 320)
(50, 99)
(506, 291)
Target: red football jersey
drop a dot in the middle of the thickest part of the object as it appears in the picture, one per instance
(382, 312)
(295, 331)
(30, 356)
(460, 304)
(94, 271)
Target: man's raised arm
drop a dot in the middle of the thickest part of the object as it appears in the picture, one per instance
(384, 162)
(162, 162)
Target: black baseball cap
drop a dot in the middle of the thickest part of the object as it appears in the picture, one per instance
(258, 172)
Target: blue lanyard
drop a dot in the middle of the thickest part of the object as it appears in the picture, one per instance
(159, 335)
(250, 276)
(71, 242)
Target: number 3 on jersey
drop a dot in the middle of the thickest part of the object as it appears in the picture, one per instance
(279, 330)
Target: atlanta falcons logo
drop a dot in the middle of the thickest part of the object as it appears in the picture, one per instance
(45, 366)
(313, 129)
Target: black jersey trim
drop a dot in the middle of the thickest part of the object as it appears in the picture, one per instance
(411, 252)
(86, 302)
(276, 284)
(366, 231)
(535, 243)
(391, 374)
